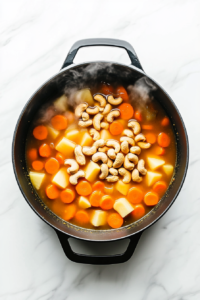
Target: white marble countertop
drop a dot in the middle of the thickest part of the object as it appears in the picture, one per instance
(34, 41)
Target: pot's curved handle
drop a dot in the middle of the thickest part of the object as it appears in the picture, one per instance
(96, 259)
(102, 42)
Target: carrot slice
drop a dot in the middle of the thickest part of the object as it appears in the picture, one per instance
(138, 116)
(60, 158)
(115, 220)
(67, 196)
(59, 122)
(106, 202)
(52, 165)
(165, 121)
(121, 92)
(116, 128)
(147, 127)
(151, 199)
(160, 187)
(95, 198)
(52, 192)
(69, 212)
(40, 132)
(45, 150)
(135, 195)
(82, 217)
(138, 212)
(84, 188)
(151, 138)
(98, 186)
(32, 154)
(126, 111)
(163, 140)
(70, 116)
(107, 89)
(37, 165)
(159, 151)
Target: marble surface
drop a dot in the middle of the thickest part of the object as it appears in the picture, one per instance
(35, 37)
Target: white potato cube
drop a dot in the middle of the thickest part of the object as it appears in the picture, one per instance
(92, 171)
(98, 218)
(53, 132)
(123, 207)
(61, 103)
(73, 135)
(84, 96)
(105, 134)
(152, 177)
(86, 140)
(122, 187)
(155, 163)
(84, 202)
(36, 179)
(66, 147)
(168, 169)
(61, 179)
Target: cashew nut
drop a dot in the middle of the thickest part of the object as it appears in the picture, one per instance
(127, 162)
(135, 126)
(135, 150)
(118, 161)
(103, 149)
(128, 139)
(100, 99)
(111, 153)
(124, 147)
(104, 171)
(80, 109)
(141, 167)
(74, 167)
(85, 116)
(89, 150)
(113, 143)
(113, 114)
(140, 137)
(113, 171)
(97, 120)
(107, 109)
(100, 156)
(85, 123)
(112, 178)
(95, 134)
(92, 110)
(80, 158)
(126, 175)
(143, 145)
(114, 101)
(109, 163)
(74, 178)
(101, 109)
(135, 176)
(128, 133)
(99, 143)
(104, 125)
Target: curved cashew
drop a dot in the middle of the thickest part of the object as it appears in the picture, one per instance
(74, 178)
(85, 123)
(127, 162)
(113, 114)
(128, 133)
(80, 109)
(85, 116)
(128, 139)
(100, 99)
(126, 175)
(97, 120)
(125, 147)
(100, 156)
(92, 110)
(74, 167)
(141, 167)
(103, 149)
(118, 161)
(109, 163)
(99, 143)
(135, 150)
(135, 126)
(104, 171)
(140, 137)
(101, 109)
(104, 125)
(114, 101)
(111, 153)
(143, 145)
(135, 176)
(107, 109)
(112, 178)
(113, 171)
(113, 143)
(89, 150)
(95, 134)
(80, 158)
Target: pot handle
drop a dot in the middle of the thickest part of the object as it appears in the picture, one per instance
(102, 42)
(96, 259)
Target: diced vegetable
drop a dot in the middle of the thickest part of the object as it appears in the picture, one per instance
(168, 169)
(98, 218)
(95, 198)
(98, 186)
(138, 212)
(52, 165)
(73, 135)
(67, 196)
(123, 207)
(138, 116)
(105, 134)
(165, 121)
(155, 163)
(59, 122)
(82, 217)
(163, 139)
(66, 147)
(61, 178)
(32, 154)
(84, 188)
(40, 132)
(84, 202)
(109, 190)
(151, 199)
(86, 140)
(115, 220)
(92, 171)
(69, 212)
(37, 179)
(135, 195)
(121, 92)
(122, 187)
(84, 96)
(61, 103)
(106, 202)
(152, 177)
(151, 138)
(116, 128)
(160, 187)
(44, 150)
(60, 158)
(53, 132)
(37, 165)
(52, 192)
(126, 111)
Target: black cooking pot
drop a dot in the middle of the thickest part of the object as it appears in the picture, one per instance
(80, 76)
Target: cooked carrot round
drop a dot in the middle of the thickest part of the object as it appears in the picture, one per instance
(95, 198)
(151, 199)
(52, 165)
(106, 202)
(138, 212)
(40, 132)
(163, 140)
(45, 150)
(107, 89)
(159, 151)
(138, 116)
(67, 196)
(151, 138)
(59, 122)
(135, 195)
(165, 121)
(84, 188)
(32, 154)
(98, 186)
(121, 92)
(69, 212)
(160, 187)
(52, 192)
(37, 165)
(115, 220)
(116, 128)
(147, 127)
(82, 217)
(60, 158)
(126, 111)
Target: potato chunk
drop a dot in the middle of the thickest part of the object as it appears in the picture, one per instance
(105, 134)
(122, 187)
(52, 132)
(84, 96)
(92, 171)
(168, 169)
(73, 135)
(98, 218)
(84, 202)
(155, 163)
(66, 147)
(36, 179)
(86, 140)
(61, 179)
(61, 103)
(123, 207)
(152, 177)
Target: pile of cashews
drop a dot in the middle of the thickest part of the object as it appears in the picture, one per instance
(117, 157)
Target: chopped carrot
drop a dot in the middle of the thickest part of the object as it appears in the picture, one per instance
(126, 111)
(135, 195)
(160, 187)
(59, 122)
(70, 116)
(52, 192)
(151, 199)
(98, 186)
(45, 150)
(107, 89)
(60, 158)
(163, 139)
(37, 165)
(159, 150)
(115, 220)
(52, 165)
(147, 127)
(151, 138)
(165, 121)
(138, 116)
(67, 196)
(69, 212)
(138, 212)
(106, 202)
(116, 128)
(40, 132)
(121, 92)
(84, 188)
(32, 154)
(82, 216)
(95, 198)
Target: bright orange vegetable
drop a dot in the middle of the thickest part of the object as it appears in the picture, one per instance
(37, 165)
(163, 140)
(69, 212)
(138, 212)
(95, 198)
(70, 116)
(151, 199)
(52, 165)
(82, 217)
(52, 192)
(126, 111)
(98, 186)
(40, 132)
(165, 121)
(32, 154)
(60, 158)
(67, 196)
(151, 138)
(106, 202)
(115, 220)
(160, 187)
(45, 150)
(138, 116)
(84, 188)
(147, 127)
(159, 151)
(135, 195)
(107, 89)
(116, 128)
(59, 122)
(121, 92)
